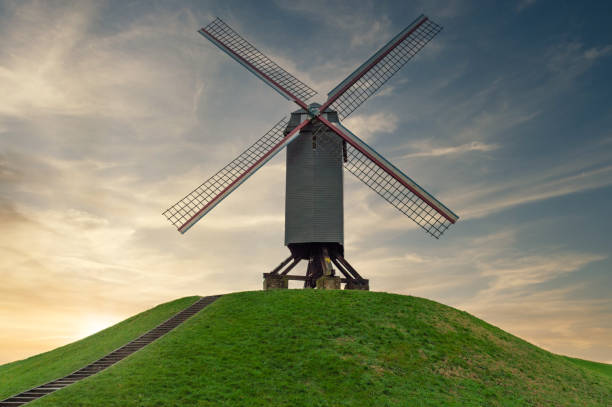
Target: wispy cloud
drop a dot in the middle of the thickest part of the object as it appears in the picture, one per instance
(523, 271)
(569, 60)
(38, 82)
(374, 34)
(443, 151)
(384, 91)
(483, 202)
(65, 70)
(363, 27)
(366, 126)
(595, 52)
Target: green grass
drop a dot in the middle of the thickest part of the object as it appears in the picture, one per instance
(338, 348)
(22, 375)
(602, 368)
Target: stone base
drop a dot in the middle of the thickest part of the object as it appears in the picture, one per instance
(275, 282)
(353, 285)
(328, 283)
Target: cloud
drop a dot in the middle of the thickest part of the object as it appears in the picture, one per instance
(477, 203)
(291, 67)
(490, 124)
(366, 126)
(443, 151)
(37, 82)
(570, 60)
(522, 271)
(66, 70)
(363, 27)
(595, 53)
(354, 34)
(109, 133)
(384, 91)
(375, 33)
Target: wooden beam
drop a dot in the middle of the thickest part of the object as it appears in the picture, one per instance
(303, 278)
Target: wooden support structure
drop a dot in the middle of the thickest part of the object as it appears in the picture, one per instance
(320, 272)
(303, 278)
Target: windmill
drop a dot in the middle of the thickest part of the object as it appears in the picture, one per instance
(318, 146)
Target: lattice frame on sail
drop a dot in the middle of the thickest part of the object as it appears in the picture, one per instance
(375, 78)
(191, 205)
(238, 45)
(395, 193)
(390, 189)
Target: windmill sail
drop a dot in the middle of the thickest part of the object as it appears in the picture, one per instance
(393, 185)
(360, 159)
(372, 74)
(186, 212)
(230, 42)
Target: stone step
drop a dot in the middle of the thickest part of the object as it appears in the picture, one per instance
(22, 399)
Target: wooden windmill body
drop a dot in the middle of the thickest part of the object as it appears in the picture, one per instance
(318, 148)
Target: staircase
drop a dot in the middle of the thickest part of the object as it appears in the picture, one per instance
(112, 358)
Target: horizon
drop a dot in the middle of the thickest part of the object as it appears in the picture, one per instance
(114, 112)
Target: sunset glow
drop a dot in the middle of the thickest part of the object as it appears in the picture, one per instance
(111, 112)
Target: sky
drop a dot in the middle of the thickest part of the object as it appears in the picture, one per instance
(112, 111)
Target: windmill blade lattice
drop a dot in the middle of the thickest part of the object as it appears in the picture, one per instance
(260, 65)
(371, 75)
(392, 191)
(392, 184)
(389, 188)
(201, 200)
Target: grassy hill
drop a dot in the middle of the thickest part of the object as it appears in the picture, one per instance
(36, 370)
(329, 348)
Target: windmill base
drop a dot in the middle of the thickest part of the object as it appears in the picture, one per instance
(328, 283)
(276, 282)
(320, 273)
